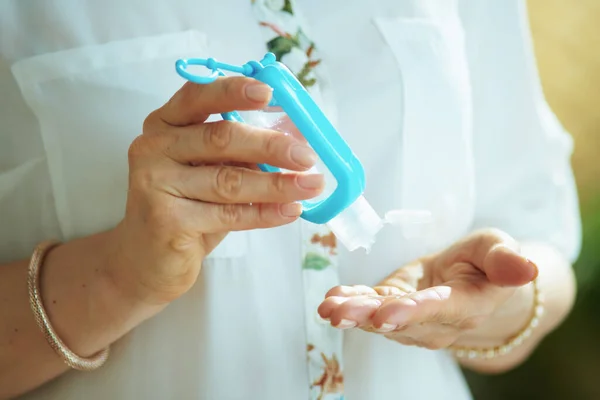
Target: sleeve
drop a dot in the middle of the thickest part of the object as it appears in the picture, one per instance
(524, 180)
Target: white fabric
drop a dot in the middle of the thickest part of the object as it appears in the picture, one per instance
(439, 98)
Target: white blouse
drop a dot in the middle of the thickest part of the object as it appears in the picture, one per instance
(440, 99)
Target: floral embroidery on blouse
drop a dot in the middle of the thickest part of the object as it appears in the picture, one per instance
(321, 248)
(327, 378)
(320, 260)
(328, 241)
(332, 380)
(290, 45)
(285, 37)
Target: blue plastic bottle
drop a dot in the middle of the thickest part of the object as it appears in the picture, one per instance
(347, 213)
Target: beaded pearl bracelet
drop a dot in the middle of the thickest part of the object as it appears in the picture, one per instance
(513, 342)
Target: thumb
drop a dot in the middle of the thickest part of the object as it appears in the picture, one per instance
(503, 266)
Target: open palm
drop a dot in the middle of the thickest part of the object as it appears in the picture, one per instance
(439, 299)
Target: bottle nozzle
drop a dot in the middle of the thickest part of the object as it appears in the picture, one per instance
(357, 225)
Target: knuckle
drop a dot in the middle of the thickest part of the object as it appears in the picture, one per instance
(150, 122)
(491, 236)
(230, 214)
(263, 216)
(148, 144)
(228, 182)
(229, 87)
(136, 147)
(272, 143)
(188, 94)
(190, 90)
(218, 136)
(278, 182)
(154, 124)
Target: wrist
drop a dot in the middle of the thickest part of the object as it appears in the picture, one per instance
(493, 357)
(505, 323)
(118, 296)
(150, 271)
(86, 309)
(556, 286)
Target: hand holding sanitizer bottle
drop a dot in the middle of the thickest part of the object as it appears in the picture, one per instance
(345, 210)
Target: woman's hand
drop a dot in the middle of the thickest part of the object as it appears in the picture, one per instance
(475, 293)
(192, 182)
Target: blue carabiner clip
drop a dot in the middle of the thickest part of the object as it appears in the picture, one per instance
(293, 98)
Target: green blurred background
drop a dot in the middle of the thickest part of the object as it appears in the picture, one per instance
(566, 37)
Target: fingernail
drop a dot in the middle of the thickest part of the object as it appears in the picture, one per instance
(346, 324)
(535, 267)
(291, 209)
(386, 328)
(258, 92)
(304, 156)
(312, 181)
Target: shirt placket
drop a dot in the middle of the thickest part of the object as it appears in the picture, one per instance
(287, 38)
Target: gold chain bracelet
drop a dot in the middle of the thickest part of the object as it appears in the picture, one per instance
(43, 322)
(515, 341)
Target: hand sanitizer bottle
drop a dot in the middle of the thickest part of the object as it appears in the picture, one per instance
(345, 210)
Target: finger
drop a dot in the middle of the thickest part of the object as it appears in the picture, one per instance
(218, 218)
(504, 267)
(234, 185)
(273, 109)
(390, 291)
(357, 311)
(226, 141)
(441, 304)
(407, 278)
(329, 304)
(400, 283)
(281, 123)
(252, 167)
(347, 291)
(285, 125)
(194, 103)
(497, 255)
